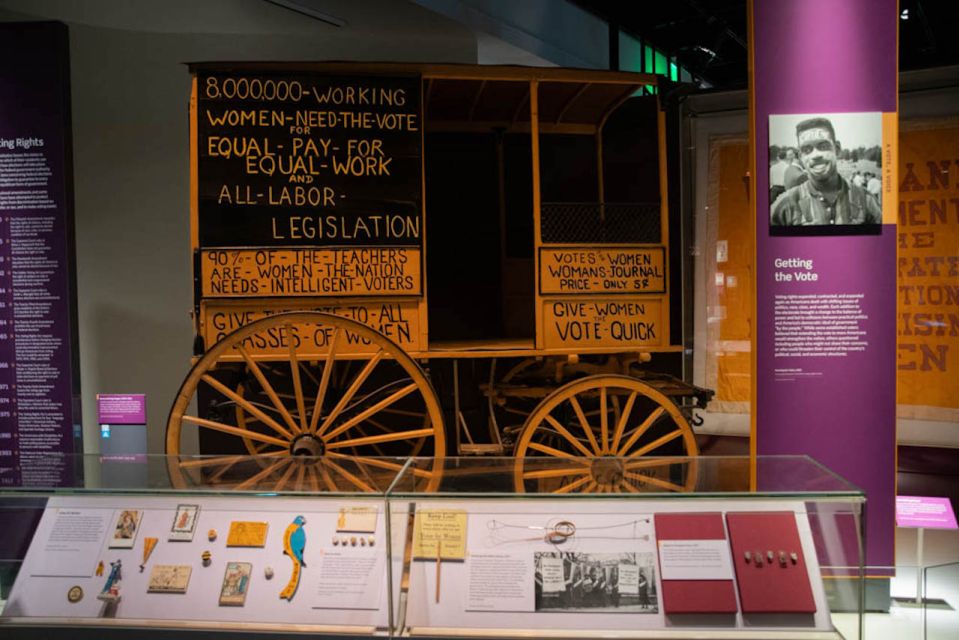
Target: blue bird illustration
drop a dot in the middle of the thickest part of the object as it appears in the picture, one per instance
(294, 542)
(295, 539)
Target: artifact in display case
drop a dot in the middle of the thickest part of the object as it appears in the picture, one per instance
(770, 564)
(470, 557)
(696, 567)
(196, 583)
(184, 523)
(629, 564)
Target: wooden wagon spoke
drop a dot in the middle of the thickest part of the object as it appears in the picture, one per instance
(630, 488)
(295, 372)
(325, 475)
(641, 429)
(243, 433)
(566, 434)
(267, 387)
(603, 422)
(556, 473)
(247, 406)
(300, 473)
(382, 464)
(405, 412)
(314, 482)
(386, 437)
(349, 393)
(621, 423)
(281, 483)
(664, 484)
(655, 444)
(206, 462)
(376, 448)
(655, 462)
(573, 485)
(585, 424)
(349, 476)
(394, 397)
(556, 453)
(305, 370)
(252, 481)
(324, 381)
(591, 487)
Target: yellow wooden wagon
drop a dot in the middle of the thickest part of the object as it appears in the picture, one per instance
(369, 239)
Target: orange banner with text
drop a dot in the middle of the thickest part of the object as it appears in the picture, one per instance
(928, 324)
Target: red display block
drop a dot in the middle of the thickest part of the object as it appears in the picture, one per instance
(694, 596)
(770, 567)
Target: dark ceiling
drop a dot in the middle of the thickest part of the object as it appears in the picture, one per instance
(709, 37)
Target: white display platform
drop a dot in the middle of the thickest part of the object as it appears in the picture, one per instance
(342, 587)
(492, 592)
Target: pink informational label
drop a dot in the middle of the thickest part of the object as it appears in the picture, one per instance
(925, 512)
(118, 408)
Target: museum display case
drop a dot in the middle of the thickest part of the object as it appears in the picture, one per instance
(275, 544)
(700, 547)
(644, 547)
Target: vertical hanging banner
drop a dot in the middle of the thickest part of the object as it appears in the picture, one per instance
(823, 109)
(39, 380)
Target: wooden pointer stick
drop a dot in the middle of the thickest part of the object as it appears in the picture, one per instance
(439, 548)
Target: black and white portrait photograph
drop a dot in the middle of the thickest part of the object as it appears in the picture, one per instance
(596, 582)
(825, 173)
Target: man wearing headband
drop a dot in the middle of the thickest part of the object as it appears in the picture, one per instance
(826, 198)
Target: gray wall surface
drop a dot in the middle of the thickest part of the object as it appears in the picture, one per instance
(130, 99)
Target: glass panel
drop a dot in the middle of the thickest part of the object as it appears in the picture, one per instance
(684, 75)
(609, 477)
(648, 60)
(673, 72)
(227, 475)
(661, 64)
(941, 602)
(630, 53)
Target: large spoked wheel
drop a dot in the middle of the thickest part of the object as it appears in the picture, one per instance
(322, 401)
(606, 434)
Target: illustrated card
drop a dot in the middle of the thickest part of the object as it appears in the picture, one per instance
(184, 522)
(236, 583)
(357, 519)
(169, 578)
(247, 534)
(125, 529)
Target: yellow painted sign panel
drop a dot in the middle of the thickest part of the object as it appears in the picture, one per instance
(440, 534)
(575, 323)
(339, 271)
(592, 270)
(398, 321)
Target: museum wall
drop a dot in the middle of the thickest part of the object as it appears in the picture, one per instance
(130, 94)
(928, 410)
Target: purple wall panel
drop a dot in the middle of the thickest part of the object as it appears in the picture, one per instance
(821, 57)
(38, 365)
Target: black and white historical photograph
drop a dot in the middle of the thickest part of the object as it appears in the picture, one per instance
(596, 582)
(825, 173)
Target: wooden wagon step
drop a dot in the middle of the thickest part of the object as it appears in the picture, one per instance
(480, 449)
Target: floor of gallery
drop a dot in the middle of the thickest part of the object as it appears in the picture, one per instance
(937, 616)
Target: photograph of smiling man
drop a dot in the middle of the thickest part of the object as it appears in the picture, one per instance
(825, 173)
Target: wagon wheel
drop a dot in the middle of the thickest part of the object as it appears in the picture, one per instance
(595, 433)
(310, 396)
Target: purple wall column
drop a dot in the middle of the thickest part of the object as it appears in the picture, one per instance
(825, 389)
(39, 375)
